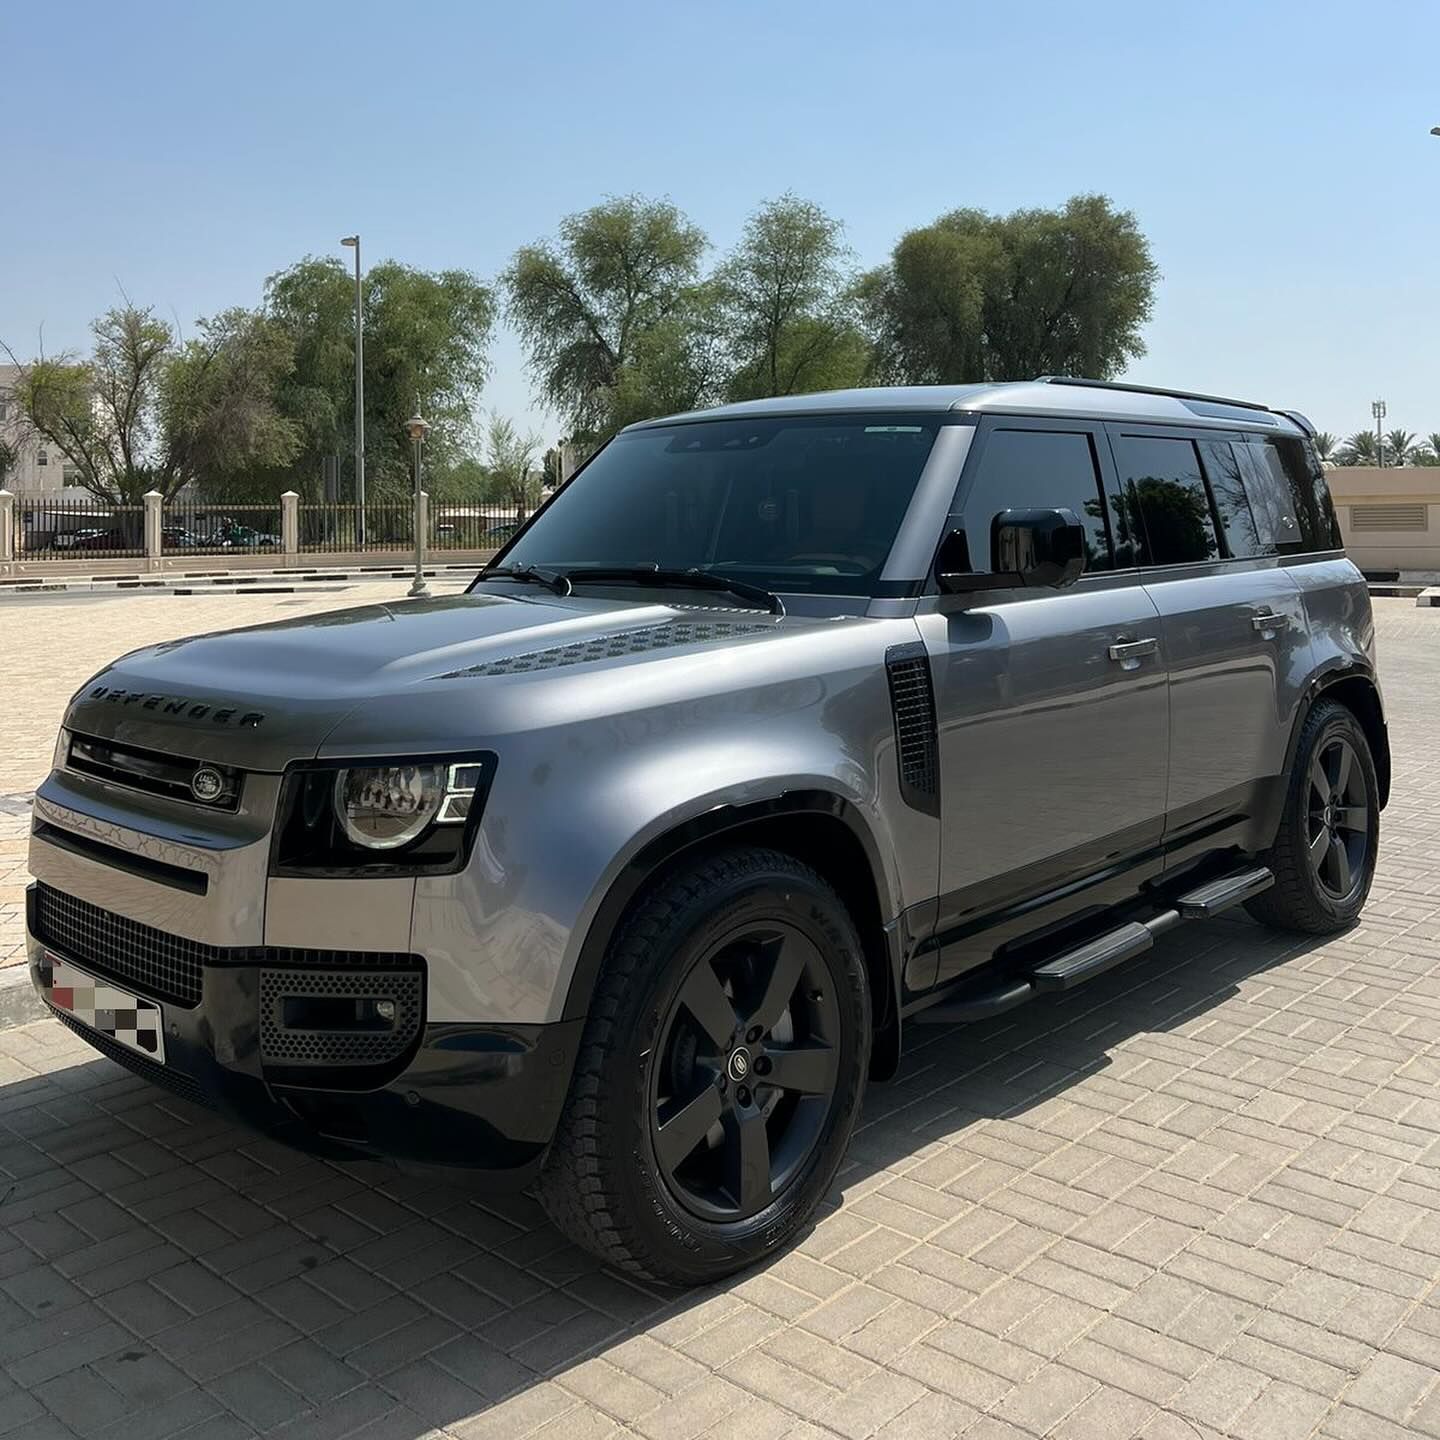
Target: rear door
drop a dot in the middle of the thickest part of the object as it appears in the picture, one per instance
(1232, 622)
(1051, 704)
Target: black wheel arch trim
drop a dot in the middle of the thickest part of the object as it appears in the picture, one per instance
(715, 824)
(1330, 678)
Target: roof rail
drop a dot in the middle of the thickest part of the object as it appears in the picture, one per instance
(1149, 390)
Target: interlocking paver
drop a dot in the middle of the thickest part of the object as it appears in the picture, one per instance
(1198, 1198)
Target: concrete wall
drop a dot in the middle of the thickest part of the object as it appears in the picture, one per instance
(1408, 546)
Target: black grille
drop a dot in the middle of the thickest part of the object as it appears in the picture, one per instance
(912, 702)
(169, 967)
(291, 1044)
(173, 1080)
(158, 964)
(156, 774)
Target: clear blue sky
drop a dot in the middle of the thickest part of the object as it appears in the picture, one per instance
(1276, 154)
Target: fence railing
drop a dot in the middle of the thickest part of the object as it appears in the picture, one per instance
(42, 529)
(77, 529)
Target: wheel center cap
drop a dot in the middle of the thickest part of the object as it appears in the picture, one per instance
(739, 1065)
(1329, 816)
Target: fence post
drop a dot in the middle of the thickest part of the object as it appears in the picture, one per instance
(153, 501)
(290, 524)
(7, 527)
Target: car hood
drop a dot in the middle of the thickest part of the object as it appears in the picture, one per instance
(268, 694)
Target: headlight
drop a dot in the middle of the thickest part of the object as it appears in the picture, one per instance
(414, 817)
(384, 807)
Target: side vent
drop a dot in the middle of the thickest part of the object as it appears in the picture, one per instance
(912, 705)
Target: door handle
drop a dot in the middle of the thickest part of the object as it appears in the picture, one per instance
(1269, 625)
(1130, 652)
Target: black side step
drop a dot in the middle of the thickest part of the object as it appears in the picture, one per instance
(1223, 894)
(1099, 955)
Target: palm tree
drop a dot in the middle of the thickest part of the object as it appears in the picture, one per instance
(1359, 449)
(1325, 444)
(1433, 441)
(1398, 445)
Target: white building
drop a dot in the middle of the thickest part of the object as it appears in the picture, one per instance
(42, 469)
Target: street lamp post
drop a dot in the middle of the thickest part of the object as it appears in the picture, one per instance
(1377, 409)
(352, 242)
(418, 429)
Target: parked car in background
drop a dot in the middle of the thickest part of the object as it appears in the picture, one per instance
(783, 728)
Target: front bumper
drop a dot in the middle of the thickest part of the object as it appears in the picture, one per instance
(482, 1097)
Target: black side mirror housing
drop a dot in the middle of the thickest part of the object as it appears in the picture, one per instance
(1041, 549)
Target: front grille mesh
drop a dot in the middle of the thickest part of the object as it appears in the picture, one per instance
(168, 967)
(282, 1044)
(118, 948)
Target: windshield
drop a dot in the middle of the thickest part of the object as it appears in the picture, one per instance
(793, 503)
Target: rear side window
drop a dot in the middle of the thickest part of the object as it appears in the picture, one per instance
(1164, 489)
(1037, 470)
(1246, 533)
(1290, 484)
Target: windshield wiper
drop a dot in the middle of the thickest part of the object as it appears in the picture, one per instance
(530, 575)
(689, 579)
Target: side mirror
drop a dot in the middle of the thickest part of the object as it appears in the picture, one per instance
(1028, 548)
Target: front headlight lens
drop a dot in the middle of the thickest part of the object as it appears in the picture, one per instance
(382, 807)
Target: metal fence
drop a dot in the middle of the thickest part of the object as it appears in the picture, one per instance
(337, 529)
(190, 529)
(468, 527)
(78, 530)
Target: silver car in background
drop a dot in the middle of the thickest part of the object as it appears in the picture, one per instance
(778, 728)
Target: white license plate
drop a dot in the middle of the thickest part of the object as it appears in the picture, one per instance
(129, 1019)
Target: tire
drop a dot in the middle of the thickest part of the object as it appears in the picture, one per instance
(726, 938)
(1320, 889)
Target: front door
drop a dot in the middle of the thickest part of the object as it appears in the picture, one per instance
(1051, 705)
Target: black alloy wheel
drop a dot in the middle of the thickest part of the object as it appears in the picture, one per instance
(747, 1065)
(1338, 832)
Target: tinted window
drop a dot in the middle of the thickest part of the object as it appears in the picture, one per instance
(1298, 490)
(791, 504)
(1037, 470)
(1227, 474)
(1164, 486)
(1271, 500)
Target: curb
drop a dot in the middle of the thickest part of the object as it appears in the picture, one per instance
(1429, 599)
(19, 1004)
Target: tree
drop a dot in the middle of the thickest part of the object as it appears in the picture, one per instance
(144, 414)
(427, 336)
(510, 457)
(976, 297)
(786, 307)
(1399, 444)
(1358, 449)
(1325, 445)
(612, 317)
(9, 459)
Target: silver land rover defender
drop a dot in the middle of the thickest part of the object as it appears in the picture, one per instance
(778, 728)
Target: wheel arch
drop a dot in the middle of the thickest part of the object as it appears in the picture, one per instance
(1353, 686)
(820, 828)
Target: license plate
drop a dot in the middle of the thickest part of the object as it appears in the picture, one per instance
(128, 1019)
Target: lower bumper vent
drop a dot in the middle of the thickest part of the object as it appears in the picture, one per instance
(311, 1018)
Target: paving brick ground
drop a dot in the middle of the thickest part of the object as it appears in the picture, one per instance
(1199, 1197)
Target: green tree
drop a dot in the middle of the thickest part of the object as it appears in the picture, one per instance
(1326, 445)
(976, 297)
(613, 318)
(427, 337)
(143, 413)
(1358, 449)
(1399, 446)
(785, 305)
(510, 458)
(9, 459)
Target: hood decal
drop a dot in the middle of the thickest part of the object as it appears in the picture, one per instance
(644, 638)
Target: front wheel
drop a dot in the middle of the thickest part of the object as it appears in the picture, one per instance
(1325, 849)
(720, 1073)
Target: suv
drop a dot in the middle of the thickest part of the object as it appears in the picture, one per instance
(779, 727)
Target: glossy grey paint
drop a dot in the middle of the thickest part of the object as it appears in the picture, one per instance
(1054, 757)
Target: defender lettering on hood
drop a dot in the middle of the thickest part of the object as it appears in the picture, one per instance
(182, 706)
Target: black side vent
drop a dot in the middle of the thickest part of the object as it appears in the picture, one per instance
(912, 703)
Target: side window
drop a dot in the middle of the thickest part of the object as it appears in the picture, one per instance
(1245, 534)
(1299, 478)
(1164, 487)
(1037, 470)
(1272, 501)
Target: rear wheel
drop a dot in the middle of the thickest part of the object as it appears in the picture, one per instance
(720, 1073)
(1325, 850)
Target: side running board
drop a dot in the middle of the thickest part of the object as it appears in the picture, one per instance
(1073, 967)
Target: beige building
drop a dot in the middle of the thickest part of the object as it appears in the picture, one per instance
(1390, 518)
(42, 469)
